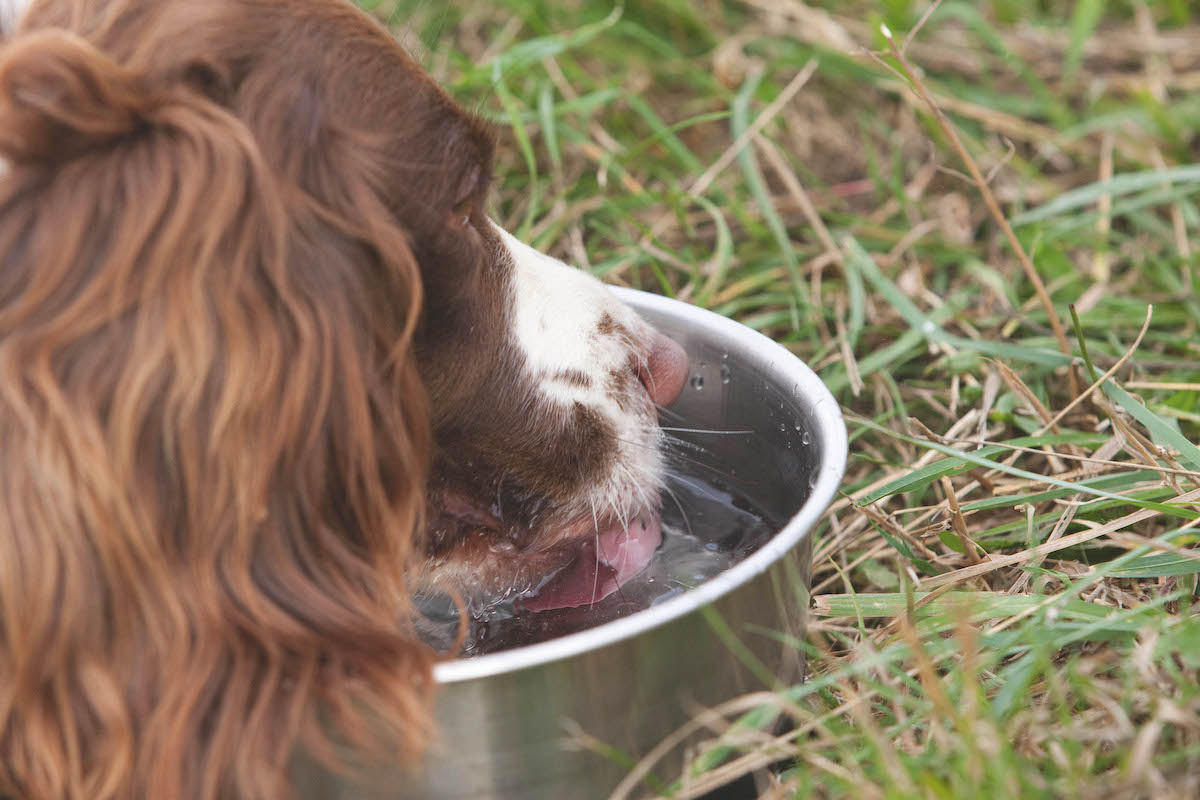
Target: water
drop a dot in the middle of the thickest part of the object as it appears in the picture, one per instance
(715, 530)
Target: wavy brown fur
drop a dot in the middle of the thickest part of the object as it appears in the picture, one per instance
(214, 439)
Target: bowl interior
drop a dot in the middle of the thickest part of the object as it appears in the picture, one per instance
(753, 425)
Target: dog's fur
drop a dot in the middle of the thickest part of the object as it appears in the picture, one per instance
(256, 339)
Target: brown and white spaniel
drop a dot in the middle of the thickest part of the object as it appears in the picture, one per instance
(267, 370)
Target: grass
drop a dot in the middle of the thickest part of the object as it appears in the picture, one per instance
(1004, 596)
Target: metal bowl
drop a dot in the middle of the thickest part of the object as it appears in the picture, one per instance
(508, 722)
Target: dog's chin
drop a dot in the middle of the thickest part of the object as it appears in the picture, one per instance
(561, 565)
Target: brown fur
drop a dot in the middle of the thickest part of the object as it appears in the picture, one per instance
(236, 291)
(214, 432)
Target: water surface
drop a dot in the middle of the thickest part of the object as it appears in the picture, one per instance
(706, 529)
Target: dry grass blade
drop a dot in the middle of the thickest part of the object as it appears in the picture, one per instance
(701, 184)
(958, 576)
(1111, 371)
(1060, 333)
(958, 523)
(796, 190)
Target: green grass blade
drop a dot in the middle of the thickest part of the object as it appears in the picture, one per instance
(1160, 430)
(948, 467)
(979, 605)
(1159, 565)
(740, 122)
(535, 51)
(1083, 22)
(925, 325)
(1119, 185)
(977, 460)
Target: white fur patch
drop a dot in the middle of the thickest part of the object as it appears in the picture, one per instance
(557, 318)
(558, 310)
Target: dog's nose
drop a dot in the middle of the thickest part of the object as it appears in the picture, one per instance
(665, 370)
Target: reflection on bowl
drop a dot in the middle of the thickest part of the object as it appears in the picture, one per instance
(505, 715)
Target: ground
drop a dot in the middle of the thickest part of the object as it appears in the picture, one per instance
(1004, 596)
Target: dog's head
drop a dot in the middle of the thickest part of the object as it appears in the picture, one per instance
(266, 369)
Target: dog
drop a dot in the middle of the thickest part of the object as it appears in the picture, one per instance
(267, 371)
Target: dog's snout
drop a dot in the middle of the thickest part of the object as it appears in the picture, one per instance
(664, 371)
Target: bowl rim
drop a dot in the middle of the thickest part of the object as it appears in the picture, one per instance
(831, 431)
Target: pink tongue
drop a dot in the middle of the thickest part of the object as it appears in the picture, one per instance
(623, 554)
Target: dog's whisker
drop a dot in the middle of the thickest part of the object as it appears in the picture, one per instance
(596, 572)
(643, 445)
(682, 513)
(681, 458)
(685, 444)
(712, 432)
(694, 485)
(664, 411)
(674, 455)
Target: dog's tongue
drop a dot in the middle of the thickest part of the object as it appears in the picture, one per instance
(623, 553)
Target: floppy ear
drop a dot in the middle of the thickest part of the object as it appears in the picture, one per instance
(214, 447)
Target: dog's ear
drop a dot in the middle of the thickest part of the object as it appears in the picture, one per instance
(214, 448)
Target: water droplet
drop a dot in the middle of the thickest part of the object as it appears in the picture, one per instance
(782, 427)
(726, 373)
(724, 356)
(806, 439)
(697, 381)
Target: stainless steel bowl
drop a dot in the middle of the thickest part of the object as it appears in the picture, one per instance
(505, 720)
